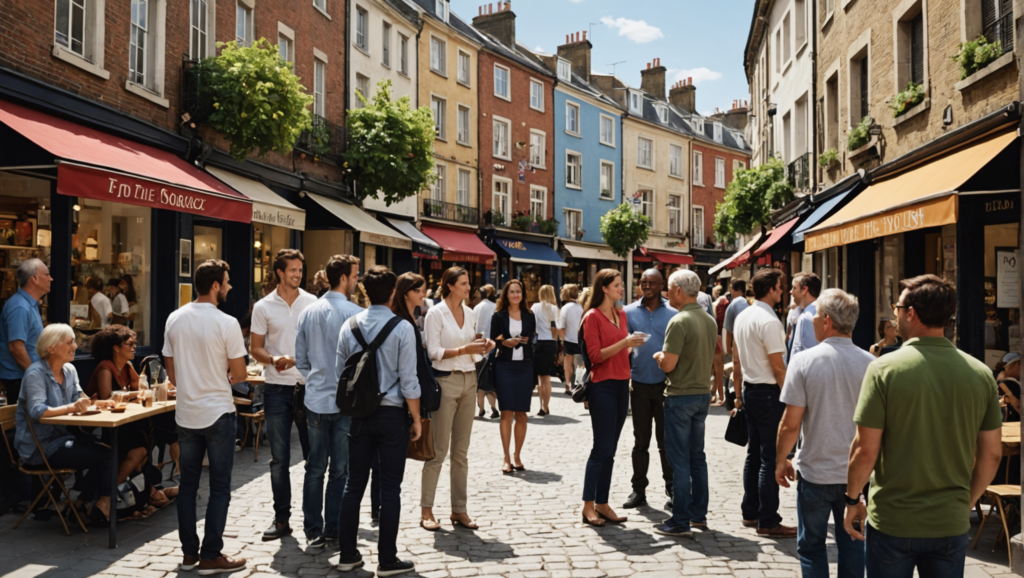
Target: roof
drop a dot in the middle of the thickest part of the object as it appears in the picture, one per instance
(590, 90)
(758, 23)
(515, 54)
(681, 122)
(406, 9)
(454, 22)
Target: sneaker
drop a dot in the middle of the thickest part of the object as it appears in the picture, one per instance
(779, 531)
(349, 563)
(494, 413)
(635, 500)
(277, 530)
(668, 530)
(188, 563)
(220, 565)
(316, 543)
(396, 567)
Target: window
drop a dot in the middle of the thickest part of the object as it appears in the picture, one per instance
(997, 22)
(647, 205)
(697, 229)
(138, 42)
(463, 121)
(437, 106)
(830, 7)
(717, 131)
(832, 112)
(403, 49)
(319, 70)
(243, 24)
(538, 203)
(645, 153)
(537, 95)
(463, 187)
(635, 102)
(385, 45)
(607, 180)
(572, 118)
(778, 51)
(70, 25)
(607, 130)
(698, 168)
(698, 125)
(362, 29)
(917, 49)
(437, 56)
(573, 223)
(198, 26)
(787, 137)
(787, 41)
(663, 114)
(736, 166)
(464, 68)
(437, 191)
(675, 214)
(538, 152)
(441, 9)
(800, 15)
(720, 173)
(860, 106)
(500, 81)
(363, 88)
(502, 134)
(321, 4)
(573, 170)
(564, 70)
(499, 200)
(284, 48)
(675, 158)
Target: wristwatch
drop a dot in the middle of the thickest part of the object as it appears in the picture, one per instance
(851, 501)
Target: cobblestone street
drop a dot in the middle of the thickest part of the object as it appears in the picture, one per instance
(530, 522)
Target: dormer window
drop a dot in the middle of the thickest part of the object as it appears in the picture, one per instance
(441, 9)
(636, 102)
(662, 113)
(739, 139)
(698, 125)
(564, 70)
(718, 131)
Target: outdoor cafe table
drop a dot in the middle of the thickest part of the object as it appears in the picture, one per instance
(1011, 438)
(107, 419)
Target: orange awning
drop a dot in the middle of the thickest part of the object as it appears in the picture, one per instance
(922, 197)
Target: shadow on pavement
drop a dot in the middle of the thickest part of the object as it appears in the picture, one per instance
(470, 546)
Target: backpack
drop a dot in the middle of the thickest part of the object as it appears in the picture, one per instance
(359, 391)
(430, 390)
(579, 389)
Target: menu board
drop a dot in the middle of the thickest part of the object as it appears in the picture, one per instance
(1008, 279)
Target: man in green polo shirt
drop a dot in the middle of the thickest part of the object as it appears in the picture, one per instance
(923, 411)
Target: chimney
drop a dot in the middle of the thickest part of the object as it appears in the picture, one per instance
(500, 24)
(684, 95)
(653, 79)
(577, 51)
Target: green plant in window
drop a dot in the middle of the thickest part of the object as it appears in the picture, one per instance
(858, 135)
(624, 229)
(976, 54)
(523, 223)
(906, 99)
(320, 139)
(827, 158)
(548, 226)
(497, 219)
(750, 199)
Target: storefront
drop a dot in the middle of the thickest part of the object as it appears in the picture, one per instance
(336, 227)
(423, 247)
(584, 260)
(532, 263)
(459, 248)
(737, 259)
(669, 263)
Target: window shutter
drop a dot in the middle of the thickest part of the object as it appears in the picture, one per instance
(988, 16)
(916, 50)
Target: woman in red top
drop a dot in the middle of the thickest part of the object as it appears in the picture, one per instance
(608, 342)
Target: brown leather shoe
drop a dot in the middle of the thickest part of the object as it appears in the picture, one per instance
(189, 563)
(220, 565)
(749, 523)
(779, 531)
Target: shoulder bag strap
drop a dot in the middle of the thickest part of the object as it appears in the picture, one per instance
(354, 326)
(385, 332)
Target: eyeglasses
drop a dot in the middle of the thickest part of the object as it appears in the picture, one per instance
(896, 308)
(129, 344)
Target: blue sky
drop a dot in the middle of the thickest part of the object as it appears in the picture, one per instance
(703, 39)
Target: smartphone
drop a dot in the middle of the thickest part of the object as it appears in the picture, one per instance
(478, 337)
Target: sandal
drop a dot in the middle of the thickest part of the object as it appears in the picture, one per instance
(97, 518)
(430, 525)
(597, 523)
(519, 468)
(611, 520)
(505, 472)
(470, 526)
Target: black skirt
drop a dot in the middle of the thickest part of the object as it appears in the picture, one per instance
(544, 357)
(514, 382)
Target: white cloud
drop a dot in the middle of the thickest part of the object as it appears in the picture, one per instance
(699, 75)
(539, 49)
(636, 30)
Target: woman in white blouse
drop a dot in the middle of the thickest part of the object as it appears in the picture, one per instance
(546, 312)
(453, 346)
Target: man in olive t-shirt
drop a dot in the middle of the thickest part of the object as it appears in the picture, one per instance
(687, 358)
(922, 413)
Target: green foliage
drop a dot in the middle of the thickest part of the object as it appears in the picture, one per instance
(320, 139)
(624, 229)
(548, 226)
(390, 146)
(523, 223)
(858, 135)
(750, 199)
(976, 54)
(906, 99)
(258, 102)
(497, 219)
(827, 158)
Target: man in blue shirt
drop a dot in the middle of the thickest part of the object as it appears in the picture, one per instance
(805, 291)
(386, 433)
(21, 324)
(737, 303)
(650, 316)
(316, 350)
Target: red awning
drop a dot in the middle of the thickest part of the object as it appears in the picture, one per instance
(672, 258)
(777, 234)
(462, 246)
(639, 257)
(97, 165)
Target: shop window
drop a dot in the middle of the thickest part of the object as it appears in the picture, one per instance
(1002, 298)
(24, 230)
(267, 240)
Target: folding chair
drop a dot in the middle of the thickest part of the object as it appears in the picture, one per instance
(998, 494)
(252, 419)
(55, 477)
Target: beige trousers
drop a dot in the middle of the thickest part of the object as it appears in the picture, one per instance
(452, 424)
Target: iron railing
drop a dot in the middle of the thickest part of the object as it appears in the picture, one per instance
(1001, 30)
(324, 139)
(451, 212)
(799, 173)
(190, 101)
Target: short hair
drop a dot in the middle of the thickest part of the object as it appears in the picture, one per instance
(809, 281)
(739, 285)
(450, 277)
(52, 334)
(764, 281)
(686, 280)
(101, 346)
(378, 284)
(933, 299)
(340, 266)
(487, 291)
(285, 255)
(28, 269)
(115, 282)
(881, 327)
(209, 272)
(570, 292)
(839, 306)
(93, 282)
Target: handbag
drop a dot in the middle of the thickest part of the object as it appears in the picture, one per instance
(581, 385)
(423, 449)
(485, 371)
(736, 431)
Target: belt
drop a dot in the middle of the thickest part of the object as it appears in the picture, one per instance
(442, 373)
(748, 384)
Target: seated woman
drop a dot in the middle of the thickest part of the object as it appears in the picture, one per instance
(1008, 379)
(50, 388)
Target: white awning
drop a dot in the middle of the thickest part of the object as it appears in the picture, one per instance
(370, 230)
(267, 206)
(588, 251)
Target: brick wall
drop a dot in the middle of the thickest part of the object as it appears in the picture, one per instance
(709, 195)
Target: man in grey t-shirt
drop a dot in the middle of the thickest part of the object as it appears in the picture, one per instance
(820, 393)
(738, 296)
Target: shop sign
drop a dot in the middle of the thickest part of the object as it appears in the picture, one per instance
(466, 258)
(512, 245)
(385, 241)
(920, 216)
(998, 206)
(279, 216)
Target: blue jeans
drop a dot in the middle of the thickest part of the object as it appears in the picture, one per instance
(384, 436)
(763, 412)
(218, 441)
(684, 446)
(892, 557)
(609, 402)
(814, 503)
(328, 442)
(279, 407)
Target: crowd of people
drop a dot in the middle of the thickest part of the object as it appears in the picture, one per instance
(918, 417)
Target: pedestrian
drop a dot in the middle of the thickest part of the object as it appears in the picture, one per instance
(203, 353)
(759, 372)
(546, 313)
(118, 301)
(514, 329)
(1007, 374)
(568, 324)
(687, 358)
(650, 317)
(453, 346)
(21, 324)
(99, 300)
(607, 338)
(820, 393)
(929, 427)
(316, 353)
(127, 285)
(738, 302)
(888, 338)
(275, 324)
(720, 305)
(385, 434)
(484, 311)
(319, 285)
(805, 289)
(475, 295)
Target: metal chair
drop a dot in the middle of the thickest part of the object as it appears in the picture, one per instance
(47, 483)
(998, 494)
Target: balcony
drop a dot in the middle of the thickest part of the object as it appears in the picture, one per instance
(451, 212)
(324, 140)
(799, 173)
(1002, 30)
(191, 103)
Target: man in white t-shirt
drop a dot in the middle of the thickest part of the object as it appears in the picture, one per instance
(484, 312)
(203, 353)
(118, 302)
(761, 371)
(100, 302)
(275, 325)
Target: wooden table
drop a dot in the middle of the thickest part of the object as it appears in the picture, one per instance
(256, 379)
(1011, 438)
(135, 412)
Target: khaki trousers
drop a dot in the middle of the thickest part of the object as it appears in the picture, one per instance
(452, 423)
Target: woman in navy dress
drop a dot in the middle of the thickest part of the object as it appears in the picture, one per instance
(514, 328)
